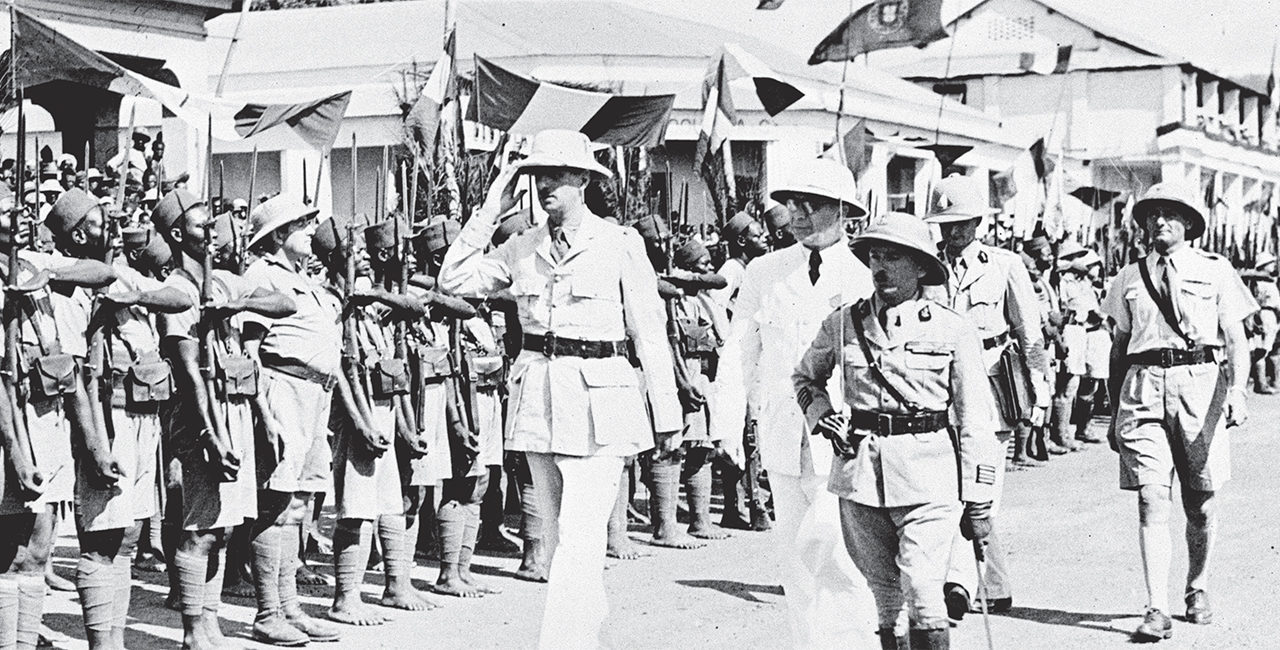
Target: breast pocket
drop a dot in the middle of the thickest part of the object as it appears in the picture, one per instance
(927, 367)
(595, 287)
(1198, 302)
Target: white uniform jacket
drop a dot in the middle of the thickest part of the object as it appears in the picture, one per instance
(776, 316)
(602, 290)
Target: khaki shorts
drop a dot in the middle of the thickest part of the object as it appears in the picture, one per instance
(207, 502)
(1171, 420)
(301, 408)
(137, 439)
(366, 486)
(51, 445)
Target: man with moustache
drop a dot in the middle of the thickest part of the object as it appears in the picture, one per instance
(785, 295)
(586, 295)
(911, 374)
(1177, 313)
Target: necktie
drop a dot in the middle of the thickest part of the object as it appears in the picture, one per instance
(815, 261)
(559, 244)
(1169, 285)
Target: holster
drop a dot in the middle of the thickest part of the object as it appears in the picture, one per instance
(1010, 385)
(390, 377)
(52, 375)
(238, 375)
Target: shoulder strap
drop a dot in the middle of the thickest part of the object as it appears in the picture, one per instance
(873, 362)
(1166, 307)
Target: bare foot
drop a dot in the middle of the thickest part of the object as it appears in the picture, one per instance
(708, 532)
(456, 586)
(735, 522)
(408, 599)
(679, 541)
(531, 572)
(624, 549)
(354, 613)
(308, 576)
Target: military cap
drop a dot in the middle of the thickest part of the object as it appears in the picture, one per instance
(172, 207)
(907, 231)
(688, 253)
(1039, 242)
(70, 210)
(440, 231)
(224, 231)
(736, 226)
(1071, 249)
(331, 236)
(651, 228)
(380, 235)
(1171, 195)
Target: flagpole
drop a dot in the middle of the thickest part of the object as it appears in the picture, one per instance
(942, 99)
(235, 39)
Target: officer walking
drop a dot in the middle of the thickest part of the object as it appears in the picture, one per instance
(991, 288)
(907, 364)
(585, 290)
(784, 297)
(1178, 312)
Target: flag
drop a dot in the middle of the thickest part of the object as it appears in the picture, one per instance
(43, 54)
(517, 104)
(1042, 165)
(852, 152)
(713, 157)
(775, 95)
(1056, 62)
(947, 154)
(424, 118)
(880, 25)
(1003, 186)
(1273, 97)
(769, 4)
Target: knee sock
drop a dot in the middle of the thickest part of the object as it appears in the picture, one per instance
(155, 536)
(123, 569)
(96, 584)
(191, 569)
(397, 554)
(351, 540)
(266, 570)
(289, 563)
(698, 493)
(214, 572)
(8, 612)
(30, 609)
(451, 522)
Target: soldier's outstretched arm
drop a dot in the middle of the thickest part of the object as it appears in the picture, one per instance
(271, 304)
(165, 300)
(83, 273)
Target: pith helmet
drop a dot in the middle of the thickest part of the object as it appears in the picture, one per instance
(909, 232)
(1172, 195)
(274, 214)
(562, 148)
(822, 177)
(957, 198)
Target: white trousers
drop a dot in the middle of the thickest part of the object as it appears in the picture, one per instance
(963, 571)
(576, 496)
(828, 601)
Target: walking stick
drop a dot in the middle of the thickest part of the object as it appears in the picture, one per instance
(980, 563)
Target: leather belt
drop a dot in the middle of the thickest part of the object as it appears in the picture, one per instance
(1170, 357)
(893, 424)
(554, 346)
(995, 341)
(298, 370)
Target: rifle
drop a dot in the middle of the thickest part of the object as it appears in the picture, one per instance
(353, 366)
(403, 258)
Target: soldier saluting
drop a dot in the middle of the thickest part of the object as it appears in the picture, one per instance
(911, 369)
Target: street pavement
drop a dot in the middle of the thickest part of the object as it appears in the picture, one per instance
(1071, 534)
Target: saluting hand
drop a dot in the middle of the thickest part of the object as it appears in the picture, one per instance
(502, 196)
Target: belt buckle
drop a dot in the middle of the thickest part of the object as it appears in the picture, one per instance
(884, 423)
(1166, 358)
(549, 345)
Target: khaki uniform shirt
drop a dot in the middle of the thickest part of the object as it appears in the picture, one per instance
(1208, 296)
(603, 289)
(313, 334)
(933, 357)
(992, 289)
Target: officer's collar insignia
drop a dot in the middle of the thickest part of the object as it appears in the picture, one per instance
(924, 314)
(982, 256)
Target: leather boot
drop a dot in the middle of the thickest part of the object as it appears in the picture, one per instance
(939, 639)
(1062, 432)
(889, 641)
(1081, 415)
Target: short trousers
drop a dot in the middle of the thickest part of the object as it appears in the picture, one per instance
(135, 445)
(1171, 421)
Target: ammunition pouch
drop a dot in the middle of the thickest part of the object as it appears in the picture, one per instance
(238, 375)
(147, 383)
(486, 372)
(390, 377)
(434, 364)
(695, 337)
(52, 375)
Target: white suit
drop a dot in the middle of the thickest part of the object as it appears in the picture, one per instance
(777, 315)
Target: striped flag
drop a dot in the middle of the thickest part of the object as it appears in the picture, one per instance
(44, 54)
(713, 157)
(517, 104)
(424, 117)
(775, 95)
